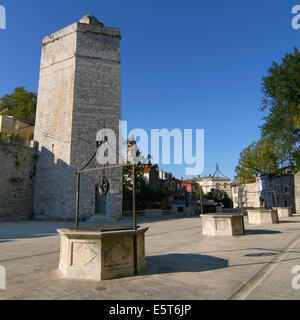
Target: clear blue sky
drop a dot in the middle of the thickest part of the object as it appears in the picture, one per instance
(185, 64)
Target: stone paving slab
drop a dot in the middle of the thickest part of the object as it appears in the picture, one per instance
(277, 285)
(182, 264)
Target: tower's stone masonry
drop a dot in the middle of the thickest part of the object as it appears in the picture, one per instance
(79, 94)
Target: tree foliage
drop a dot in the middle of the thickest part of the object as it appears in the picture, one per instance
(199, 190)
(262, 156)
(280, 132)
(20, 104)
(145, 194)
(220, 197)
(281, 88)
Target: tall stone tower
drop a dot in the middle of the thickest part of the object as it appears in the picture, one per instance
(79, 94)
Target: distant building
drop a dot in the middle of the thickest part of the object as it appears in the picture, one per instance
(181, 193)
(151, 177)
(172, 184)
(163, 175)
(217, 183)
(11, 126)
(268, 192)
(189, 186)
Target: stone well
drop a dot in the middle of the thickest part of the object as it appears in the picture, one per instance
(283, 212)
(94, 254)
(223, 224)
(262, 216)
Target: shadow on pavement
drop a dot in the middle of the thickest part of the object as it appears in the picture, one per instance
(262, 254)
(30, 229)
(288, 221)
(171, 263)
(12, 237)
(253, 231)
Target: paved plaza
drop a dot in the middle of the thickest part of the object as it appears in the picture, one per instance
(182, 264)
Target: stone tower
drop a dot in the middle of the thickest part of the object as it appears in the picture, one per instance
(79, 94)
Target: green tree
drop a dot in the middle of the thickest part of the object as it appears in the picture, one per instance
(145, 194)
(280, 132)
(220, 197)
(281, 88)
(20, 104)
(199, 190)
(262, 156)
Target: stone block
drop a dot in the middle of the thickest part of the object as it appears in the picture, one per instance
(222, 225)
(188, 211)
(283, 212)
(99, 255)
(262, 216)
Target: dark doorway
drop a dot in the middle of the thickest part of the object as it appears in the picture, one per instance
(262, 203)
(100, 202)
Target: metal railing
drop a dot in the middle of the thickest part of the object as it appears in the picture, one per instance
(165, 213)
(130, 213)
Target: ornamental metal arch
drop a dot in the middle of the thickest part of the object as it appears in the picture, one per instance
(105, 189)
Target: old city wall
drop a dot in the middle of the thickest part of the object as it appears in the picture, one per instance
(16, 180)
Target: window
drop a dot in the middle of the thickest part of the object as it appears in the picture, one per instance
(225, 185)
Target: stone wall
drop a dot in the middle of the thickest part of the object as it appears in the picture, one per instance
(16, 180)
(297, 192)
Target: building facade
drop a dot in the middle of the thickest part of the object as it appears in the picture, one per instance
(268, 192)
(217, 183)
(11, 126)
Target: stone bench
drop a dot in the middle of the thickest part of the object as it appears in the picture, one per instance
(262, 216)
(222, 224)
(283, 212)
(98, 255)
